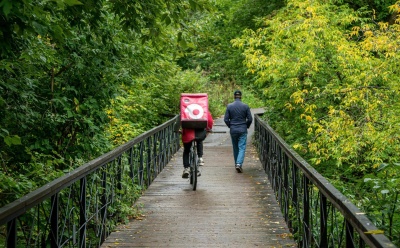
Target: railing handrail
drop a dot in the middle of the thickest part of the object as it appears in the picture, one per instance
(352, 214)
(16, 208)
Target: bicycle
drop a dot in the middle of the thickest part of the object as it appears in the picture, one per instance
(194, 171)
(194, 162)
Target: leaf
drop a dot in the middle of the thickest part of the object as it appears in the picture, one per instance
(2, 102)
(382, 166)
(183, 43)
(72, 2)
(43, 58)
(7, 6)
(12, 140)
(167, 20)
(375, 232)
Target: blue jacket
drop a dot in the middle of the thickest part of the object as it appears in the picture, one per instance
(238, 117)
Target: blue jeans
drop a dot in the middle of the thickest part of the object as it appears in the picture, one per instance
(239, 141)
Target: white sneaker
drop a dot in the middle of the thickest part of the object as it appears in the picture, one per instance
(186, 172)
(201, 162)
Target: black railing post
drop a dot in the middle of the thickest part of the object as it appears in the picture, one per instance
(267, 155)
(82, 213)
(178, 142)
(103, 211)
(119, 175)
(349, 235)
(286, 187)
(54, 221)
(279, 176)
(155, 157)
(167, 138)
(323, 222)
(140, 172)
(12, 233)
(306, 213)
(295, 202)
(162, 152)
(148, 163)
(130, 162)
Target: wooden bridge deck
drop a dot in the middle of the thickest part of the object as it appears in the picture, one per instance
(228, 209)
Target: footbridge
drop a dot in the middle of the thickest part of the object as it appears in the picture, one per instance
(278, 201)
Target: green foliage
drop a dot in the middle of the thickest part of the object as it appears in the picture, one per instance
(383, 198)
(378, 8)
(64, 63)
(151, 99)
(40, 170)
(329, 77)
(80, 77)
(329, 91)
(214, 53)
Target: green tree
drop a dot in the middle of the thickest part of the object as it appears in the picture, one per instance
(329, 76)
(61, 64)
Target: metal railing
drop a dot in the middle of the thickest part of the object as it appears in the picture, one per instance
(81, 208)
(317, 214)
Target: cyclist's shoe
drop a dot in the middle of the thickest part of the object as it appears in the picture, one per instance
(239, 168)
(186, 172)
(198, 173)
(201, 162)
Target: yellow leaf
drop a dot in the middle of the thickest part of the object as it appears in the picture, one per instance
(375, 232)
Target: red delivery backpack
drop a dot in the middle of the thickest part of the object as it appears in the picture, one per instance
(194, 110)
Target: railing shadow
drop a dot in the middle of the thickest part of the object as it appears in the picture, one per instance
(81, 208)
(316, 213)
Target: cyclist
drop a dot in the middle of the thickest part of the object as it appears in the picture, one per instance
(188, 135)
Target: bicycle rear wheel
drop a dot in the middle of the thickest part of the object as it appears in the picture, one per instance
(193, 167)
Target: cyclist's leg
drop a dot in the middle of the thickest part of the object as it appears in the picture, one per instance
(199, 148)
(186, 162)
(200, 152)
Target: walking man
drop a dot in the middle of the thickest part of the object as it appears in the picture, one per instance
(238, 118)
